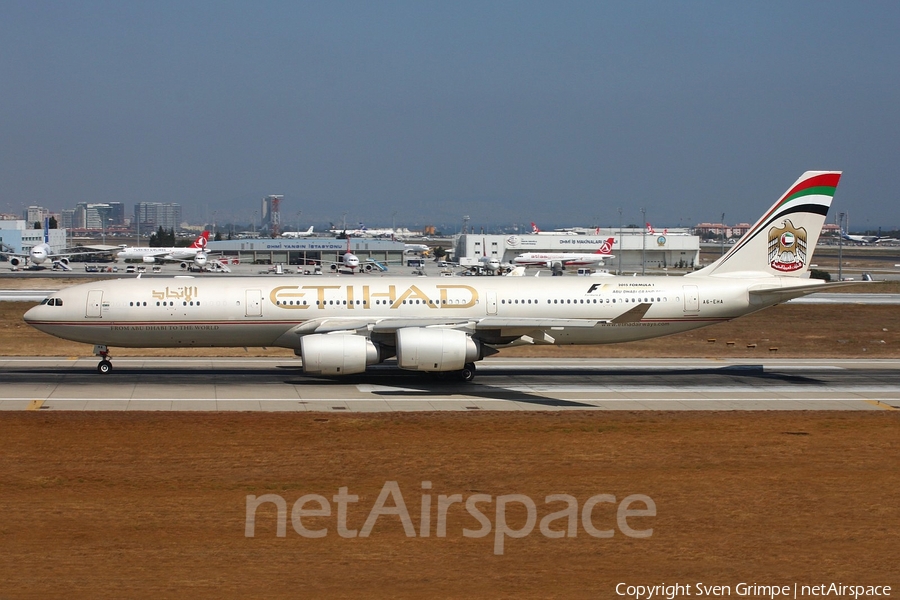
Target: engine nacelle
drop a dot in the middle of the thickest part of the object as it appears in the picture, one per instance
(434, 349)
(15, 261)
(337, 354)
(148, 259)
(201, 259)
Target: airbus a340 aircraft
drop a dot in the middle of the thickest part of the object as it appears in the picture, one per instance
(340, 326)
(549, 259)
(196, 252)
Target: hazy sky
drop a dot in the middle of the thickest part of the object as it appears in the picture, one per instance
(510, 112)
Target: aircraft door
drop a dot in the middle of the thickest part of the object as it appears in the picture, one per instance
(691, 300)
(492, 302)
(94, 304)
(254, 303)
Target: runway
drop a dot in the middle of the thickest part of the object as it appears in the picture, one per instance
(261, 384)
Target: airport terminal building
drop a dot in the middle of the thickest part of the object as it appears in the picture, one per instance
(659, 250)
(290, 251)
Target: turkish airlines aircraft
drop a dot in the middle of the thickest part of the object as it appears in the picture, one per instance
(196, 252)
(339, 326)
(548, 259)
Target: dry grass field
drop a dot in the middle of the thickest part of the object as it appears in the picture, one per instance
(153, 505)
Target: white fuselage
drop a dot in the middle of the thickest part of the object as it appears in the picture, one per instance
(258, 311)
(142, 252)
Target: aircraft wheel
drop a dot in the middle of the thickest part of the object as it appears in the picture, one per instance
(104, 367)
(468, 372)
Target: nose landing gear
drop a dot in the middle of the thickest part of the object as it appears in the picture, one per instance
(104, 366)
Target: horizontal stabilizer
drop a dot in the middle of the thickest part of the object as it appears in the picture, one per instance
(633, 315)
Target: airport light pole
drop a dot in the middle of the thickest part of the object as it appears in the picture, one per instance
(643, 241)
(840, 247)
(619, 270)
(723, 234)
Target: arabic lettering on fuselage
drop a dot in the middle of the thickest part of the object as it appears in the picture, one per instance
(186, 293)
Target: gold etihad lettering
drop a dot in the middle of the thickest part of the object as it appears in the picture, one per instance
(289, 296)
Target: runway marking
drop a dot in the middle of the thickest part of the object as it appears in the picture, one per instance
(882, 405)
(35, 405)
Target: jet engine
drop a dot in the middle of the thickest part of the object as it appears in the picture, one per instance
(15, 261)
(201, 259)
(434, 349)
(337, 354)
(148, 259)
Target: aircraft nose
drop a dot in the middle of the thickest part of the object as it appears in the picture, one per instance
(31, 314)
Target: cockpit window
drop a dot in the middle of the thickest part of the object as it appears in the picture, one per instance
(45, 301)
(59, 302)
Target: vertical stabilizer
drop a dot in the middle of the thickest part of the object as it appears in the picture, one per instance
(781, 243)
(47, 230)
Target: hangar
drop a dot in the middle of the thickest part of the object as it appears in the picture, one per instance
(659, 250)
(308, 251)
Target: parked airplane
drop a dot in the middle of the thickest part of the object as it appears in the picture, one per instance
(339, 327)
(298, 234)
(866, 239)
(416, 249)
(551, 259)
(651, 231)
(536, 231)
(42, 255)
(196, 252)
(349, 262)
(362, 231)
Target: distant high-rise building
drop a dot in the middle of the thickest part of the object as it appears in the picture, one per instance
(67, 218)
(35, 214)
(96, 215)
(150, 216)
(116, 214)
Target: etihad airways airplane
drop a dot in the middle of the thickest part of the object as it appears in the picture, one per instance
(339, 326)
(196, 252)
(549, 259)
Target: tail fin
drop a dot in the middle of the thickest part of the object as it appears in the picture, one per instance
(606, 247)
(46, 230)
(781, 243)
(534, 228)
(201, 240)
(650, 230)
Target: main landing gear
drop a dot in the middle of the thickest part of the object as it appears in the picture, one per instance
(467, 373)
(104, 366)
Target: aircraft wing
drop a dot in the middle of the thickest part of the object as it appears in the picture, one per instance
(391, 325)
